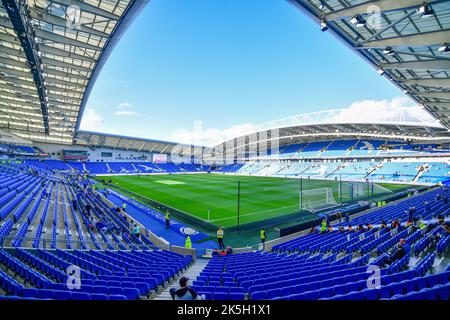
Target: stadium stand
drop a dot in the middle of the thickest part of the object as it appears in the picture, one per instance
(334, 265)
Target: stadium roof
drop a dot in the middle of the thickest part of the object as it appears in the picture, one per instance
(51, 52)
(394, 123)
(105, 140)
(407, 41)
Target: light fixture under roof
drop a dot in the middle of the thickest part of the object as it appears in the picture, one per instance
(323, 25)
(380, 72)
(358, 21)
(444, 49)
(425, 11)
(389, 51)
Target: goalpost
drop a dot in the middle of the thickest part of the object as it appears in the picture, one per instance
(316, 199)
(365, 190)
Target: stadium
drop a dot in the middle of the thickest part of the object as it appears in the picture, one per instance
(305, 205)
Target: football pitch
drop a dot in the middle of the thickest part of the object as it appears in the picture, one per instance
(214, 197)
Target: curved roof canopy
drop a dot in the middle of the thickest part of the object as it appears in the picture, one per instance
(407, 41)
(51, 52)
(395, 123)
(113, 141)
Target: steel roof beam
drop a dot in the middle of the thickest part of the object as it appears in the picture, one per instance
(61, 22)
(57, 38)
(6, 37)
(14, 63)
(53, 80)
(16, 81)
(432, 94)
(66, 65)
(63, 74)
(415, 40)
(436, 82)
(88, 8)
(63, 53)
(17, 12)
(382, 5)
(419, 65)
(6, 100)
(15, 72)
(17, 95)
(437, 104)
(12, 52)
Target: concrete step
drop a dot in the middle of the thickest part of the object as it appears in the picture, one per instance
(192, 273)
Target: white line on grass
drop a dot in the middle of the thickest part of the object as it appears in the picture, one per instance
(253, 213)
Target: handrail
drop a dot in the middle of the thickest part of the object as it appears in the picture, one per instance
(45, 243)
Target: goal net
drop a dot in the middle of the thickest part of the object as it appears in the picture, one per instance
(363, 190)
(317, 199)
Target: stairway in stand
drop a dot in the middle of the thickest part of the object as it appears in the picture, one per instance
(192, 273)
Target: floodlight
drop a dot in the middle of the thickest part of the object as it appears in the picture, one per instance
(358, 21)
(389, 51)
(425, 11)
(444, 49)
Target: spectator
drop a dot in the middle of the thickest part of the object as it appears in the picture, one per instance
(405, 246)
(124, 206)
(323, 226)
(223, 253)
(341, 228)
(262, 236)
(383, 224)
(88, 208)
(395, 224)
(220, 238)
(167, 219)
(229, 250)
(397, 254)
(347, 217)
(136, 232)
(74, 204)
(409, 222)
(215, 253)
(188, 242)
(185, 292)
(101, 226)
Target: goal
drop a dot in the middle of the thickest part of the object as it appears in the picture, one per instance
(317, 199)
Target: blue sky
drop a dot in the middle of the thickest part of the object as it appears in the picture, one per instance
(226, 63)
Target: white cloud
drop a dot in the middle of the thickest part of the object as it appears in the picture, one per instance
(124, 113)
(397, 109)
(91, 120)
(210, 136)
(125, 105)
(367, 111)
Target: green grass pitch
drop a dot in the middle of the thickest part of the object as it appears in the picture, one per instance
(261, 197)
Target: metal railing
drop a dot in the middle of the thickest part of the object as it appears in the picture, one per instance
(74, 244)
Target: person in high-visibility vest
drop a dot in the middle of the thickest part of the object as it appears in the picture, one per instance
(124, 206)
(188, 243)
(167, 219)
(421, 224)
(323, 227)
(220, 238)
(262, 236)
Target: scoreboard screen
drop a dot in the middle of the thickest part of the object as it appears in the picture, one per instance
(160, 158)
